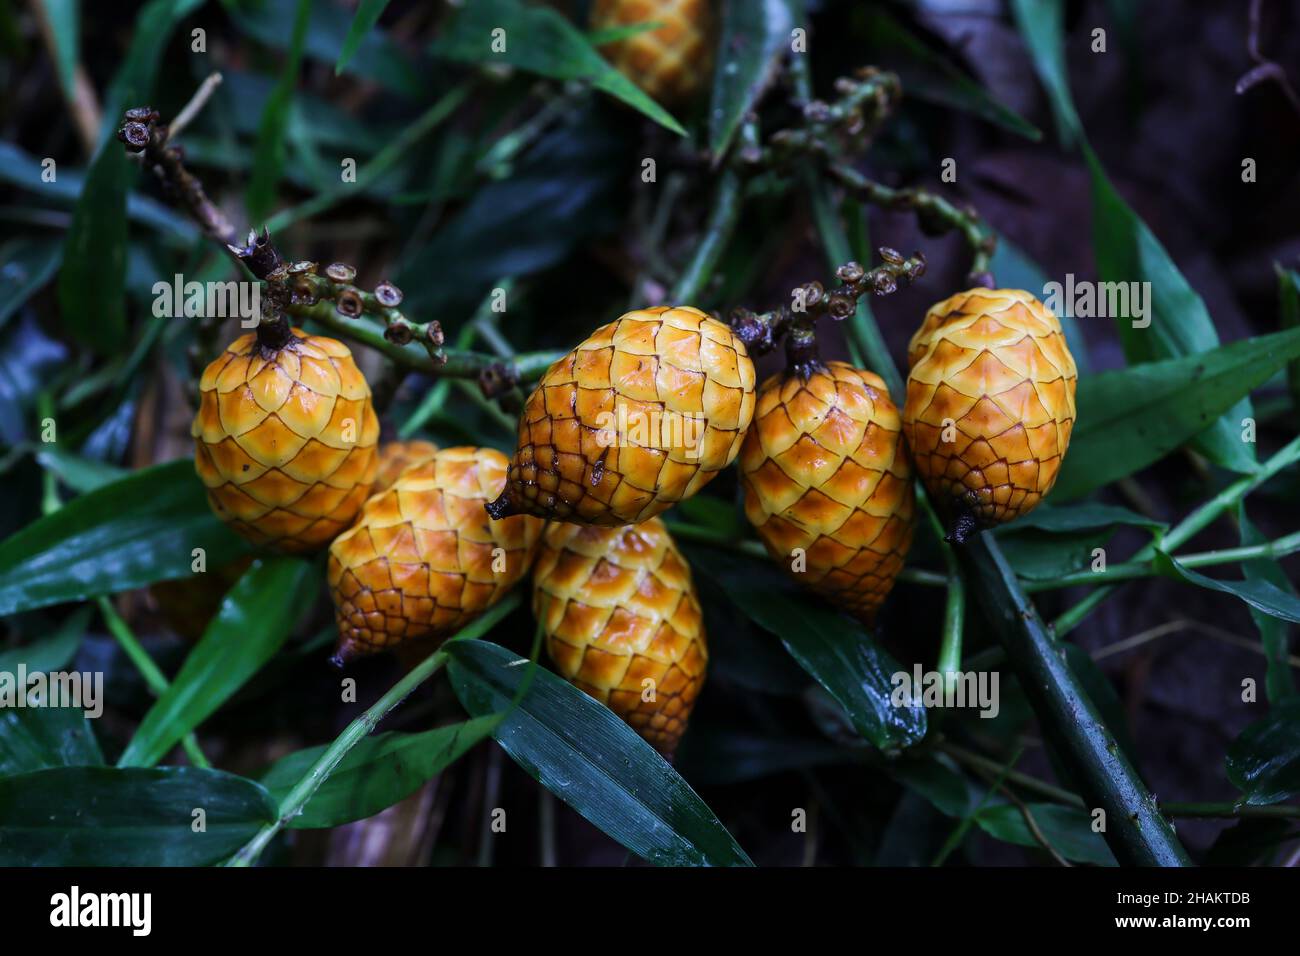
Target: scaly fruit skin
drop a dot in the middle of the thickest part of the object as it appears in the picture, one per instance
(286, 440)
(639, 416)
(397, 456)
(825, 469)
(618, 607)
(419, 561)
(995, 363)
(670, 63)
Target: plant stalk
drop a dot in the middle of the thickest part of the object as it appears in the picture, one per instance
(1188, 528)
(1137, 832)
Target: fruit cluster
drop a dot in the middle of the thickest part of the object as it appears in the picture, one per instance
(642, 414)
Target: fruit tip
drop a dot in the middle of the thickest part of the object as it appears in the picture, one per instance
(503, 507)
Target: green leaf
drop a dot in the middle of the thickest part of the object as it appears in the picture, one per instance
(254, 621)
(368, 14)
(1179, 324)
(102, 816)
(1041, 25)
(1278, 681)
(54, 652)
(35, 738)
(126, 535)
(754, 35)
(376, 58)
(82, 475)
(271, 149)
(25, 266)
(837, 651)
(64, 21)
(540, 40)
(942, 785)
(92, 282)
(1050, 542)
(1068, 829)
(929, 76)
(1085, 516)
(377, 773)
(1132, 417)
(1264, 762)
(1257, 592)
(580, 751)
(1041, 556)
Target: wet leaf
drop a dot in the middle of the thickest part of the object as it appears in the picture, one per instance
(126, 535)
(1264, 762)
(102, 816)
(1132, 417)
(834, 649)
(585, 755)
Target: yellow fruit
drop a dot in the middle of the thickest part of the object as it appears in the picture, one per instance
(639, 416)
(397, 456)
(990, 403)
(825, 470)
(669, 63)
(285, 440)
(622, 622)
(423, 560)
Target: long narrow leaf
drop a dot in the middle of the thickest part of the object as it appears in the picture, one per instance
(254, 621)
(540, 40)
(837, 652)
(129, 534)
(577, 749)
(368, 14)
(92, 281)
(102, 816)
(1132, 417)
(377, 773)
(754, 33)
(271, 150)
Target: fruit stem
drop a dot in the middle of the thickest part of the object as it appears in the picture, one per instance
(503, 507)
(297, 798)
(936, 212)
